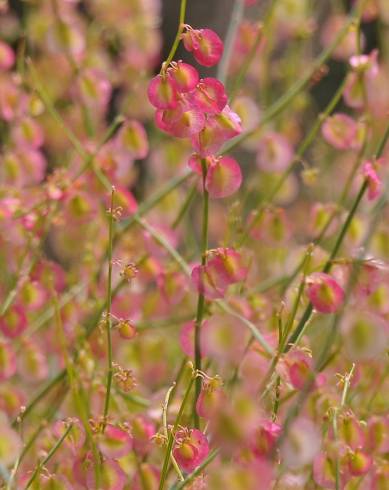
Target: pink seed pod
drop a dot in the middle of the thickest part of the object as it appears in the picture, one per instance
(209, 96)
(205, 44)
(115, 442)
(365, 335)
(224, 267)
(147, 477)
(191, 448)
(366, 64)
(7, 360)
(31, 362)
(354, 91)
(247, 111)
(302, 444)
(76, 437)
(131, 139)
(94, 89)
(127, 329)
(224, 339)
(173, 286)
(274, 153)
(162, 92)
(10, 443)
(373, 181)
(184, 76)
(210, 399)
(341, 132)
(358, 462)
(14, 322)
(27, 132)
(349, 44)
(229, 123)
(377, 434)
(224, 177)
(181, 122)
(351, 431)
(33, 295)
(265, 438)
(142, 428)
(112, 476)
(325, 294)
(7, 56)
(296, 365)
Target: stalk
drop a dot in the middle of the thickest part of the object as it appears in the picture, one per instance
(108, 320)
(201, 298)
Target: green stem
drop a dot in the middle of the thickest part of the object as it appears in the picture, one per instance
(297, 334)
(211, 456)
(201, 298)
(178, 35)
(303, 147)
(53, 450)
(108, 320)
(236, 18)
(297, 87)
(251, 54)
(172, 434)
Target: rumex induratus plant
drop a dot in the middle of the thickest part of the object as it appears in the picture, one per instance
(193, 256)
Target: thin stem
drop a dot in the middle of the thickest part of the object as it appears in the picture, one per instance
(297, 334)
(166, 431)
(201, 298)
(172, 434)
(297, 87)
(236, 18)
(303, 147)
(108, 320)
(53, 450)
(178, 35)
(251, 54)
(346, 386)
(211, 456)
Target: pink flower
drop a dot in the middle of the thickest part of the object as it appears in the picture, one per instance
(142, 429)
(274, 153)
(7, 56)
(373, 181)
(184, 76)
(297, 366)
(7, 360)
(341, 131)
(359, 463)
(162, 92)
(27, 132)
(209, 96)
(210, 399)
(224, 267)
(115, 442)
(324, 292)
(265, 438)
(224, 177)
(191, 448)
(14, 322)
(205, 44)
(131, 139)
(183, 121)
(112, 476)
(76, 438)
